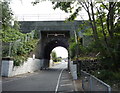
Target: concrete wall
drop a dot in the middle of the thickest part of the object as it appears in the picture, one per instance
(28, 26)
(73, 70)
(29, 66)
(7, 66)
(51, 63)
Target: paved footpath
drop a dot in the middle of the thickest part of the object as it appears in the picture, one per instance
(56, 79)
(66, 83)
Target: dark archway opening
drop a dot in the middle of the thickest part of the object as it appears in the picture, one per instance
(50, 46)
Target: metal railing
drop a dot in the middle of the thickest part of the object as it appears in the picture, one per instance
(91, 83)
(45, 17)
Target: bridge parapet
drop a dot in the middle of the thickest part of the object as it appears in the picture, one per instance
(27, 26)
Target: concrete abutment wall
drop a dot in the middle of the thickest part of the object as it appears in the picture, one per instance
(31, 65)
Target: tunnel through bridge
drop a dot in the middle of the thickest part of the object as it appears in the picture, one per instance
(50, 40)
(51, 35)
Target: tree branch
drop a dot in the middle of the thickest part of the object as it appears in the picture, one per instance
(105, 6)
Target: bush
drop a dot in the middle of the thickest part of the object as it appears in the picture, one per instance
(23, 51)
(108, 76)
(18, 60)
(73, 47)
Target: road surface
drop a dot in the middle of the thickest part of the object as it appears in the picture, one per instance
(53, 79)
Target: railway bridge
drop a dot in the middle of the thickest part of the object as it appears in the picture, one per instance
(51, 34)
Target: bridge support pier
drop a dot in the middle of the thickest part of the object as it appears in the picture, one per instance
(45, 63)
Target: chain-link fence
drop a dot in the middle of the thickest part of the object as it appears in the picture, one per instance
(91, 83)
(9, 48)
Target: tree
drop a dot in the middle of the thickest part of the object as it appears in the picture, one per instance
(6, 15)
(103, 18)
(14, 42)
(54, 56)
(9, 33)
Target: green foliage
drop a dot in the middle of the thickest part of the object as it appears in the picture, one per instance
(16, 25)
(6, 15)
(105, 31)
(73, 47)
(20, 48)
(26, 47)
(65, 6)
(18, 60)
(36, 34)
(54, 56)
(108, 76)
(23, 50)
(59, 59)
(104, 74)
(21, 44)
(10, 35)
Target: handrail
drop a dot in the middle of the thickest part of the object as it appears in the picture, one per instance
(91, 79)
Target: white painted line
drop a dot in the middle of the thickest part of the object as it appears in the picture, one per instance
(65, 85)
(58, 81)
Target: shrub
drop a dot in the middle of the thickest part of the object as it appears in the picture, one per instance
(23, 51)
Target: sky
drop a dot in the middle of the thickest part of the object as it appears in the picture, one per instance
(43, 11)
(24, 11)
(61, 52)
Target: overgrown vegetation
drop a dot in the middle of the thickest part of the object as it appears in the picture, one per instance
(23, 51)
(104, 28)
(15, 44)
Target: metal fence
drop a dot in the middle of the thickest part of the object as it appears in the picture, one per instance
(9, 48)
(91, 83)
(47, 17)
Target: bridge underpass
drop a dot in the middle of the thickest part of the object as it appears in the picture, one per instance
(50, 40)
(51, 35)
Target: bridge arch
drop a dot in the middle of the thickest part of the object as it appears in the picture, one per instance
(52, 43)
(49, 33)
